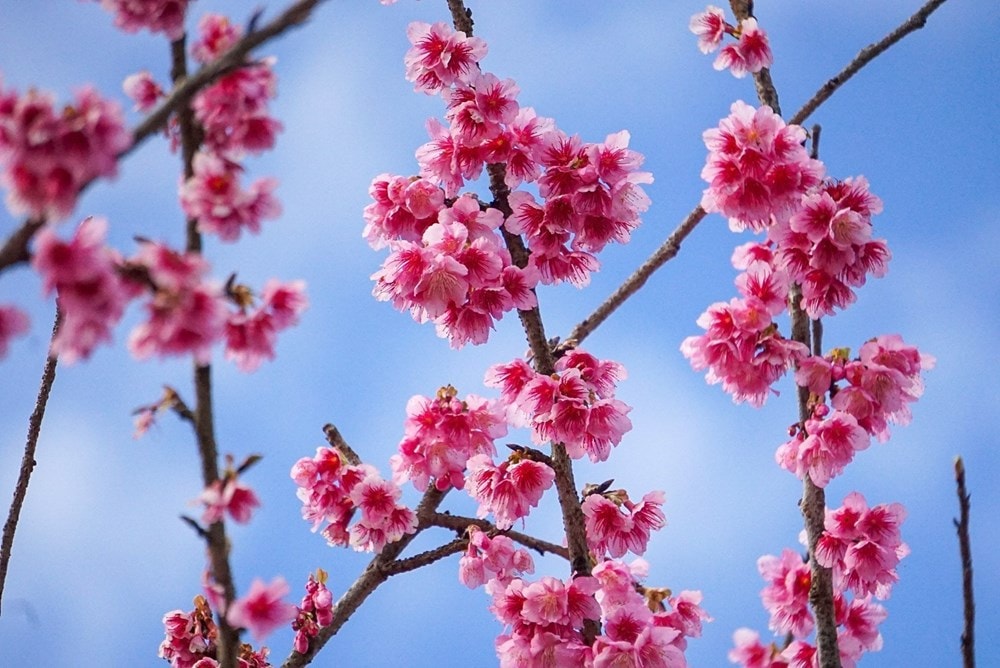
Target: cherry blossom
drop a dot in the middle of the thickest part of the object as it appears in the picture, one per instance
(251, 334)
(756, 167)
(508, 490)
(262, 609)
(574, 406)
(228, 495)
(92, 294)
(750, 54)
(48, 156)
(216, 35)
(710, 26)
(315, 611)
(214, 198)
(143, 90)
(863, 545)
(441, 56)
(492, 558)
(190, 636)
(233, 111)
(616, 525)
(13, 323)
(166, 16)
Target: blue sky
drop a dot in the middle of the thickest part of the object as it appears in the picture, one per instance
(100, 555)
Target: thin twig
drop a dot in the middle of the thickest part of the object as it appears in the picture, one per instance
(667, 251)
(460, 524)
(965, 547)
(366, 583)
(425, 558)
(28, 459)
(865, 56)
(671, 246)
(204, 420)
(15, 248)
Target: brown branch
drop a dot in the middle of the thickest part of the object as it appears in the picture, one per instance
(865, 56)
(204, 420)
(370, 579)
(338, 443)
(667, 251)
(460, 524)
(425, 558)
(969, 608)
(15, 249)
(28, 459)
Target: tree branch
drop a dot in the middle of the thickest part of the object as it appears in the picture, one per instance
(425, 558)
(374, 575)
(969, 608)
(460, 524)
(865, 56)
(28, 459)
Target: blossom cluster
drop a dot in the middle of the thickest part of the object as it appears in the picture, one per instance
(190, 640)
(456, 273)
(166, 16)
(315, 611)
(575, 406)
(591, 195)
(742, 347)
(186, 314)
(49, 154)
(332, 491)
(640, 626)
(616, 525)
(13, 323)
(863, 546)
(751, 52)
(440, 436)
(878, 387)
(757, 167)
(510, 489)
(489, 559)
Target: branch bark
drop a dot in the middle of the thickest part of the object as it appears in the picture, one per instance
(28, 459)
(965, 548)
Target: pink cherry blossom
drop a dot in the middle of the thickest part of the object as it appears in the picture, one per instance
(710, 26)
(85, 275)
(13, 323)
(190, 636)
(441, 56)
(749, 652)
(786, 596)
(575, 406)
(216, 35)
(616, 525)
(442, 434)
(166, 16)
(213, 196)
(228, 495)
(185, 314)
(756, 167)
(262, 610)
(315, 611)
(508, 490)
(233, 111)
(863, 545)
(741, 347)
(251, 334)
(750, 54)
(143, 90)
(826, 447)
(492, 559)
(48, 156)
